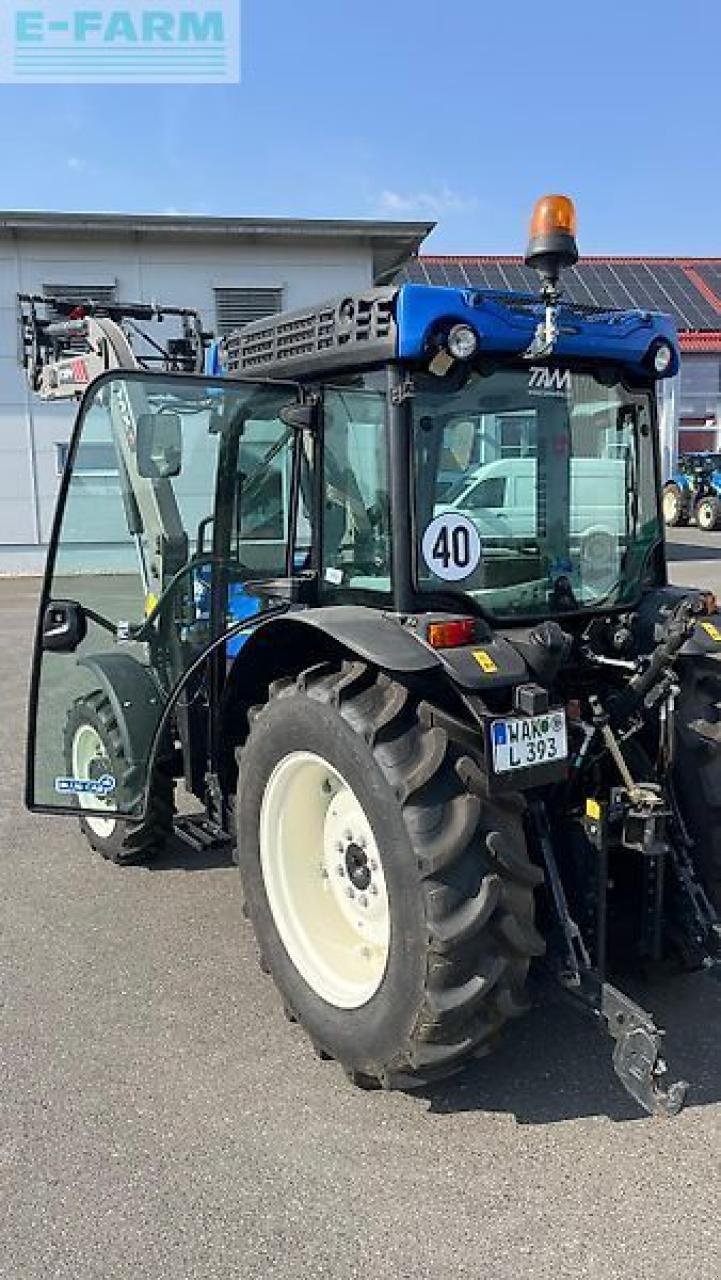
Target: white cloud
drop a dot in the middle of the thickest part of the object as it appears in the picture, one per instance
(75, 162)
(433, 204)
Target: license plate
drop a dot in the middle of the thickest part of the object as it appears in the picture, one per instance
(520, 742)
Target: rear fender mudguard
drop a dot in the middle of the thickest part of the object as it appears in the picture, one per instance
(135, 698)
(287, 645)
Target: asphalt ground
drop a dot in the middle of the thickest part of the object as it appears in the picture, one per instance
(160, 1118)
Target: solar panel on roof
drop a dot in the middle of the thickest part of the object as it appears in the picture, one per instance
(710, 273)
(646, 288)
(575, 288)
(494, 276)
(413, 272)
(474, 275)
(518, 277)
(615, 288)
(596, 287)
(693, 311)
(455, 275)
(644, 284)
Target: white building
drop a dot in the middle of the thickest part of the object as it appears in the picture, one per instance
(231, 269)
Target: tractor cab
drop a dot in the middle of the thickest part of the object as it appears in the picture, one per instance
(429, 517)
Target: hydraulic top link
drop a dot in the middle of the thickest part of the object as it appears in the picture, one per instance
(677, 631)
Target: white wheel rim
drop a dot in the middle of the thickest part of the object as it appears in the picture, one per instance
(669, 506)
(324, 880)
(88, 747)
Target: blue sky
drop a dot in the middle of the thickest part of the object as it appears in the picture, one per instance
(462, 111)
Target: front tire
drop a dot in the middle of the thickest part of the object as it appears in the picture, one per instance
(708, 514)
(344, 774)
(675, 507)
(93, 747)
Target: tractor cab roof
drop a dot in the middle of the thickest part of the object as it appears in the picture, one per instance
(410, 321)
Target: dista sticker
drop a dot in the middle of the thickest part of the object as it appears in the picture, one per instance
(86, 786)
(451, 546)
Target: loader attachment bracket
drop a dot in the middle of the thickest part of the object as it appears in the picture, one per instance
(637, 1056)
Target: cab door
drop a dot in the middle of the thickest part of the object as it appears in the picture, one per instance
(122, 615)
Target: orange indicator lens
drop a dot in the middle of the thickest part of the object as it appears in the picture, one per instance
(451, 633)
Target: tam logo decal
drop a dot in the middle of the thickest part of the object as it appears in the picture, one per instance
(548, 381)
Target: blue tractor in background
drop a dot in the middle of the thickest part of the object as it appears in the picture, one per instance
(694, 492)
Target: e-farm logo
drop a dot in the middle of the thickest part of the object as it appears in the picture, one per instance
(175, 42)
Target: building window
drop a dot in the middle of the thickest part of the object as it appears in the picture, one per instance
(90, 459)
(236, 307)
(80, 293)
(700, 395)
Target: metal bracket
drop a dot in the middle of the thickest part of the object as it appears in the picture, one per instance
(576, 959)
(637, 1057)
(405, 390)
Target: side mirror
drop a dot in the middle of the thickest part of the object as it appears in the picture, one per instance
(64, 626)
(159, 445)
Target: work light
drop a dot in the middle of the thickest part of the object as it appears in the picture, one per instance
(662, 357)
(462, 341)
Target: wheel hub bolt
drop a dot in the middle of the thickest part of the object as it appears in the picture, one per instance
(340, 869)
(374, 890)
(350, 891)
(356, 866)
(363, 901)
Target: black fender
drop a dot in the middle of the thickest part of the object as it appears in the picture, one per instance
(286, 645)
(367, 633)
(135, 697)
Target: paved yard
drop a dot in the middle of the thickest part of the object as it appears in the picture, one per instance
(160, 1118)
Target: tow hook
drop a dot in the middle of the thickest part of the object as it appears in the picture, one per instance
(637, 1056)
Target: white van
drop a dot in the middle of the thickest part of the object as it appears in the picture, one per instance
(501, 499)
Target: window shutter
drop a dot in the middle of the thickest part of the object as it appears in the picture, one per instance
(237, 307)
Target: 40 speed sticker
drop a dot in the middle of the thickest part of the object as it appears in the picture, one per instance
(451, 546)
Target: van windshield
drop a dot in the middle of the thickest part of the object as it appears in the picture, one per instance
(535, 488)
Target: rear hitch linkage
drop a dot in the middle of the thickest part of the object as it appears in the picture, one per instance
(637, 1055)
(642, 814)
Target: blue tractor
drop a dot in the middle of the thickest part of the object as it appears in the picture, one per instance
(694, 492)
(387, 592)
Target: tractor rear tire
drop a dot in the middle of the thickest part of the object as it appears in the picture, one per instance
(708, 514)
(93, 743)
(697, 772)
(675, 506)
(393, 906)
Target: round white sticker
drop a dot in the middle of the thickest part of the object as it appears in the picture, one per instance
(451, 546)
